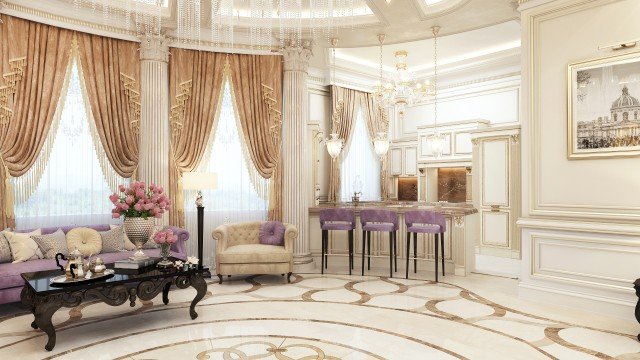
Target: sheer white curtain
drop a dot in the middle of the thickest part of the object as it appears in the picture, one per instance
(360, 165)
(67, 185)
(236, 198)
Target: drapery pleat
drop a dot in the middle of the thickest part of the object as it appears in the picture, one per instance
(376, 123)
(191, 124)
(351, 100)
(35, 100)
(257, 84)
(104, 61)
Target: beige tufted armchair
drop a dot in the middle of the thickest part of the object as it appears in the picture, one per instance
(239, 251)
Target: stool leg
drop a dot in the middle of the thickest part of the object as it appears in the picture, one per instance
(324, 236)
(326, 251)
(415, 253)
(408, 245)
(350, 249)
(368, 250)
(395, 250)
(442, 249)
(435, 254)
(390, 254)
(364, 243)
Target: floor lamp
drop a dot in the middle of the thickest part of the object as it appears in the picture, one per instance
(199, 181)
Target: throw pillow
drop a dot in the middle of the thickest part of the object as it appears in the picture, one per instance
(128, 245)
(87, 240)
(51, 244)
(23, 248)
(112, 240)
(5, 250)
(150, 244)
(272, 233)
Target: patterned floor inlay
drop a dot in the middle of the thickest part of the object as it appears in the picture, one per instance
(315, 317)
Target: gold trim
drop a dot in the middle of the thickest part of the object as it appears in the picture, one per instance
(176, 112)
(133, 97)
(7, 91)
(335, 117)
(275, 115)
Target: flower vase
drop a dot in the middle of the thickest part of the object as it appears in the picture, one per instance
(165, 253)
(138, 230)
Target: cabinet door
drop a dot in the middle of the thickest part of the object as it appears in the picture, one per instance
(396, 161)
(495, 172)
(411, 161)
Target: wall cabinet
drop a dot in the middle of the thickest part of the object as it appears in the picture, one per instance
(496, 185)
(404, 158)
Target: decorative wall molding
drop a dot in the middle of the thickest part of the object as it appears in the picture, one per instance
(8, 90)
(296, 58)
(154, 48)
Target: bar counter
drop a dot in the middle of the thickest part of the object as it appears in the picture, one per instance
(460, 237)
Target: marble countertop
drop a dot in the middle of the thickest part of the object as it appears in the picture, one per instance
(455, 209)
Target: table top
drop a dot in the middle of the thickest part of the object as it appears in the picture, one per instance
(40, 281)
(447, 209)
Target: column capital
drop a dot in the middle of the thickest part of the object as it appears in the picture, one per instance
(296, 56)
(154, 47)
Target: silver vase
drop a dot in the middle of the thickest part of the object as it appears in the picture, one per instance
(138, 230)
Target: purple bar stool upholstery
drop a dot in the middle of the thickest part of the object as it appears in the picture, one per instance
(336, 219)
(379, 220)
(424, 222)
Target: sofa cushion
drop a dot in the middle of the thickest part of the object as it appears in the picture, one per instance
(254, 253)
(51, 244)
(10, 273)
(128, 245)
(23, 248)
(5, 250)
(87, 240)
(272, 233)
(112, 240)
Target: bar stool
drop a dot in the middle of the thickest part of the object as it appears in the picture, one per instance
(381, 220)
(336, 219)
(424, 222)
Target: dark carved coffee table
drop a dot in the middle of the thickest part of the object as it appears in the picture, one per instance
(44, 300)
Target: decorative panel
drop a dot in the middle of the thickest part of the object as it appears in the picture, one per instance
(410, 161)
(463, 144)
(396, 161)
(495, 228)
(452, 184)
(495, 172)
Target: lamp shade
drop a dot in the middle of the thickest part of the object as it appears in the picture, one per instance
(381, 144)
(199, 180)
(334, 145)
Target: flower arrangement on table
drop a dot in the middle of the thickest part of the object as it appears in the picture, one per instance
(139, 201)
(139, 205)
(165, 238)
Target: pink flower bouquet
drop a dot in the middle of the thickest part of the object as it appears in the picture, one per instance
(139, 201)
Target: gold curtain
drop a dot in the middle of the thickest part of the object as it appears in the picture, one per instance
(257, 83)
(377, 122)
(114, 98)
(345, 116)
(35, 99)
(195, 87)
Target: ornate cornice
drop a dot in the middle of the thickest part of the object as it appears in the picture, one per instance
(154, 47)
(296, 57)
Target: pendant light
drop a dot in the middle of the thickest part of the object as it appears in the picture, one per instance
(334, 144)
(436, 140)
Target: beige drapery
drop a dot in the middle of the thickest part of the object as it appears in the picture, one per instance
(35, 100)
(114, 98)
(345, 116)
(195, 85)
(257, 83)
(377, 122)
(352, 100)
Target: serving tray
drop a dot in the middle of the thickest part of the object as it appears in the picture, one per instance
(62, 280)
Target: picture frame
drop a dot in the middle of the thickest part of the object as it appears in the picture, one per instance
(603, 114)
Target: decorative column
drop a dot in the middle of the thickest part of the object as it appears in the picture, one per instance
(295, 153)
(154, 113)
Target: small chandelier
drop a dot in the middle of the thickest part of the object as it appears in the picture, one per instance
(334, 144)
(436, 141)
(404, 89)
(381, 144)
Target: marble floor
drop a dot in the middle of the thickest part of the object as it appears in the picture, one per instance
(328, 317)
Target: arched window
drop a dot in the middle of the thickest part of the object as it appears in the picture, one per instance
(615, 117)
(241, 194)
(67, 185)
(635, 115)
(625, 116)
(360, 166)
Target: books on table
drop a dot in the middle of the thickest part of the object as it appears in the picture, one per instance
(135, 264)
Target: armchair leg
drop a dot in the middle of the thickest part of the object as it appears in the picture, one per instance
(220, 279)
(289, 277)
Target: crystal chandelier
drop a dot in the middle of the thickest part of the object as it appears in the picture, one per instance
(334, 143)
(436, 141)
(404, 89)
(381, 144)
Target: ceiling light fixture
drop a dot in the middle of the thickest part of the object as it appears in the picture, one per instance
(436, 141)
(334, 144)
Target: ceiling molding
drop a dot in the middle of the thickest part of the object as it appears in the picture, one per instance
(424, 14)
(379, 13)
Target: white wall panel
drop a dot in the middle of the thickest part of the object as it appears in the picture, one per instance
(411, 160)
(495, 228)
(495, 172)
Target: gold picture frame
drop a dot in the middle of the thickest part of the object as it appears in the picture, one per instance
(603, 112)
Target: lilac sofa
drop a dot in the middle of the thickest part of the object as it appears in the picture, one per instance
(11, 282)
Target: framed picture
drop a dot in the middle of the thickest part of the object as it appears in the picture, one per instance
(604, 110)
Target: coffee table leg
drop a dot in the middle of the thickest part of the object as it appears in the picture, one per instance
(198, 283)
(27, 298)
(165, 293)
(43, 313)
